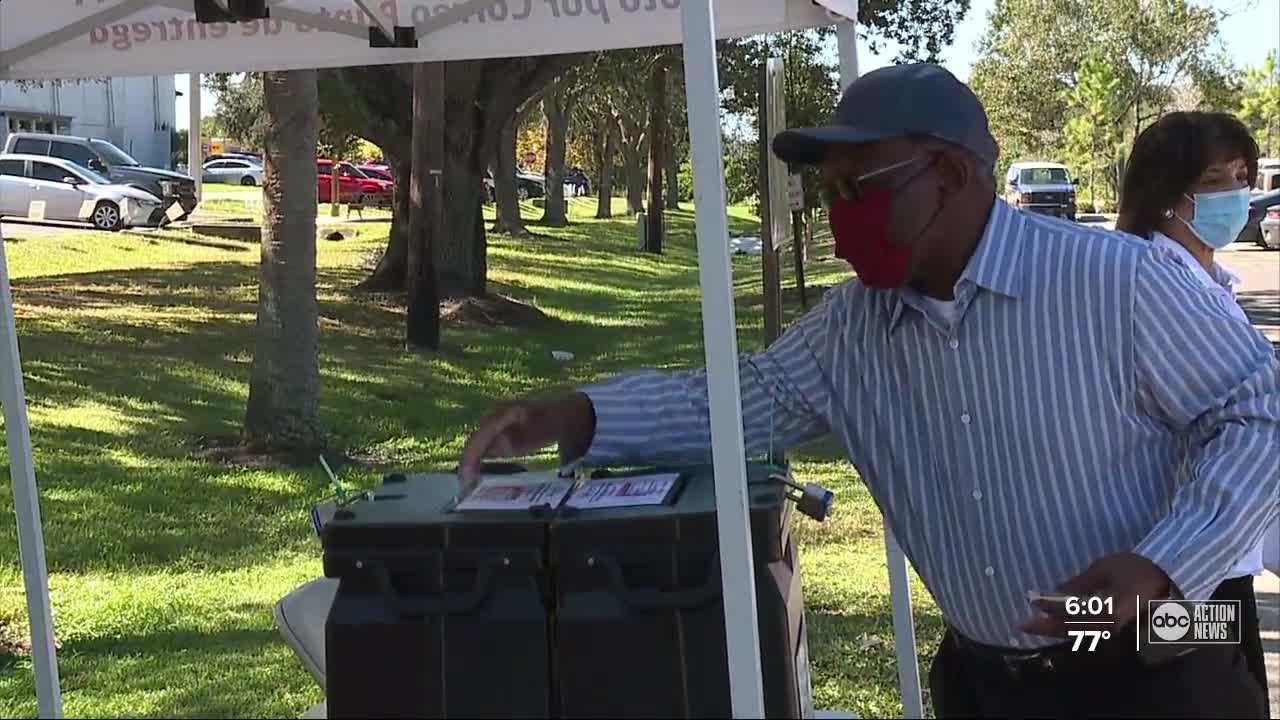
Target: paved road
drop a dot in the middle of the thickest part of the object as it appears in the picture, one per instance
(1259, 291)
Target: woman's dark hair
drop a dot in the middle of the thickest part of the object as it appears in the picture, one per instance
(1169, 156)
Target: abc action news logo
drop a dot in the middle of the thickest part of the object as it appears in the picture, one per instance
(1193, 622)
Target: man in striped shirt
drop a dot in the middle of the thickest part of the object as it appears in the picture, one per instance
(1013, 390)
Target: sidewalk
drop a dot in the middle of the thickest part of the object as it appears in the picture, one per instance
(1267, 588)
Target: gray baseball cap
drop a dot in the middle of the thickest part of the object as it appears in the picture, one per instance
(892, 102)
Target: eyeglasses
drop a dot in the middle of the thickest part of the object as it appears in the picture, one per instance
(851, 189)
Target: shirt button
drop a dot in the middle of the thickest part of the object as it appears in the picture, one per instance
(954, 343)
(965, 418)
(977, 494)
(990, 571)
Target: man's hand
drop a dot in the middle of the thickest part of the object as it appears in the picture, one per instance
(1123, 577)
(526, 426)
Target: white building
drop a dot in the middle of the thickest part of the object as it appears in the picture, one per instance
(135, 113)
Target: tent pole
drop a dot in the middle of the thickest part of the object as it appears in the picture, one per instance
(195, 147)
(26, 500)
(719, 332)
(904, 634)
(904, 631)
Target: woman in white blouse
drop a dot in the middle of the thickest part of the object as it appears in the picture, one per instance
(1186, 188)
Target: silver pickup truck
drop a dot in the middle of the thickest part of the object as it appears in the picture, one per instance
(1041, 187)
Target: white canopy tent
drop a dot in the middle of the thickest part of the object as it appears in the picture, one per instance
(44, 40)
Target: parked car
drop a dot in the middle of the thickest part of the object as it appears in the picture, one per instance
(110, 162)
(1269, 229)
(235, 156)
(235, 171)
(1041, 187)
(353, 185)
(528, 186)
(377, 172)
(72, 193)
(1268, 176)
(1258, 204)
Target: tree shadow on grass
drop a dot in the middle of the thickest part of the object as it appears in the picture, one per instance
(124, 368)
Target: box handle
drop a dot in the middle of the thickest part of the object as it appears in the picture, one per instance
(649, 599)
(445, 603)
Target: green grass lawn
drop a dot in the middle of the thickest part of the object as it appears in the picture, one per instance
(164, 567)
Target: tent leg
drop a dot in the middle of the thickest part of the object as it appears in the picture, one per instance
(702, 93)
(904, 631)
(847, 51)
(195, 144)
(26, 500)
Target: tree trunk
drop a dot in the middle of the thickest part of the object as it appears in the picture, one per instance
(283, 410)
(557, 106)
(508, 218)
(608, 150)
(633, 170)
(677, 134)
(671, 163)
(392, 268)
(481, 95)
(657, 134)
(461, 269)
(422, 319)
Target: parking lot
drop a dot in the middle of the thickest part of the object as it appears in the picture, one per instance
(1259, 291)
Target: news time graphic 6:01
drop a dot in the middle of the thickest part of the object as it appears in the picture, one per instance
(1193, 622)
(1088, 619)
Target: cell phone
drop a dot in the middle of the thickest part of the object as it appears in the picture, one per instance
(1049, 603)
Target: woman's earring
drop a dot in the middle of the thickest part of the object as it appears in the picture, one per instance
(1168, 214)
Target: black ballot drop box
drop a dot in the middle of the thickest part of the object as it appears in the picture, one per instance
(438, 614)
(609, 612)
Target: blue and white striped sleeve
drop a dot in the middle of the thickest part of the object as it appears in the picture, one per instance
(654, 416)
(1201, 371)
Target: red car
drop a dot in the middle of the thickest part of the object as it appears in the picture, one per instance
(353, 185)
(378, 172)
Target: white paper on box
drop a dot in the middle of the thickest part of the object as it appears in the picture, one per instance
(624, 491)
(517, 492)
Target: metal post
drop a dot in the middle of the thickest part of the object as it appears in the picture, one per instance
(719, 332)
(899, 578)
(195, 152)
(26, 500)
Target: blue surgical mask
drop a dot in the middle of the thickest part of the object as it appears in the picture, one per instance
(1219, 216)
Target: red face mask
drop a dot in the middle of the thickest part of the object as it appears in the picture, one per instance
(861, 232)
